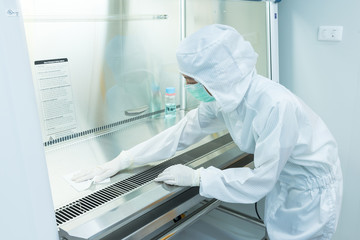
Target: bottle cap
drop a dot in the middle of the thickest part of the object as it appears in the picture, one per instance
(170, 90)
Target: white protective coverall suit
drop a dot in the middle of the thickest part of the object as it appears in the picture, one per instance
(296, 160)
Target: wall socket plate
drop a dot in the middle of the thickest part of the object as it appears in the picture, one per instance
(330, 33)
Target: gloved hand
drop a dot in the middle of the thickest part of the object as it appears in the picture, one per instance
(99, 173)
(180, 175)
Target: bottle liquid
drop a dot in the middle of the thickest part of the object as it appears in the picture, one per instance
(170, 103)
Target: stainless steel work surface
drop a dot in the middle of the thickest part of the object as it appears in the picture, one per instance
(104, 209)
(144, 205)
(91, 151)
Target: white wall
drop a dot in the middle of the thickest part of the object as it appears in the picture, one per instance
(326, 75)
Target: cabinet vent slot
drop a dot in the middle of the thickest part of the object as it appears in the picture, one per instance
(115, 190)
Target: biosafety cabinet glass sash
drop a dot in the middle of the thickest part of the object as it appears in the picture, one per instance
(100, 65)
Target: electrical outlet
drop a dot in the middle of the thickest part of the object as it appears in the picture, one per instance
(330, 33)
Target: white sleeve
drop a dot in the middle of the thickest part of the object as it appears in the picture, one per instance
(273, 148)
(196, 124)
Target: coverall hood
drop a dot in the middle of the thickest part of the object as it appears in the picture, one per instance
(218, 57)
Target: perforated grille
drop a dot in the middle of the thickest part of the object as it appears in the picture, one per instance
(96, 199)
(101, 128)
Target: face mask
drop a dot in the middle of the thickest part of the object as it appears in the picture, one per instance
(198, 91)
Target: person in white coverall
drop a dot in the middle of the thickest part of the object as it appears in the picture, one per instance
(296, 159)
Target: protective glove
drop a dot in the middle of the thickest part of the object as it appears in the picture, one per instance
(99, 173)
(180, 175)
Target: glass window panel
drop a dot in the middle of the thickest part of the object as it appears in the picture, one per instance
(247, 17)
(121, 57)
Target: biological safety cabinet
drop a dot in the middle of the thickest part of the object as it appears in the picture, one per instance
(99, 71)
